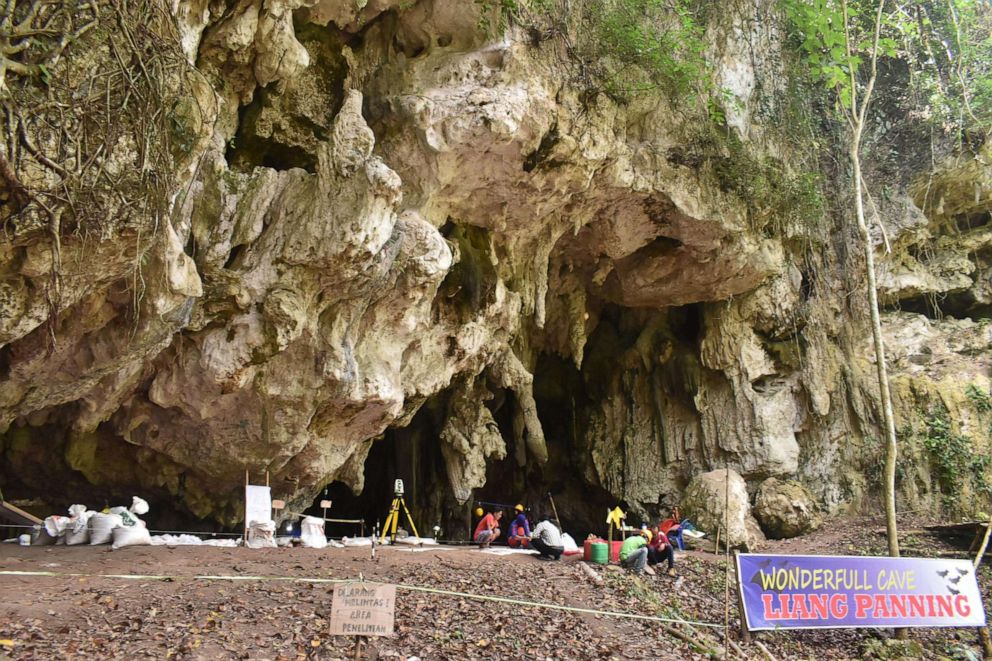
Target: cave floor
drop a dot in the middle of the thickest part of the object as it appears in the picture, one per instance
(66, 617)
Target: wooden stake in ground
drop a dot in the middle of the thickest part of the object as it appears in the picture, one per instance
(983, 632)
(555, 510)
(726, 561)
(745, 632)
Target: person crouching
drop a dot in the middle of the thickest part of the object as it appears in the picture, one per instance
(634, 553)
(488, 530)
(519, 536)
(546, 540)
(661, 549)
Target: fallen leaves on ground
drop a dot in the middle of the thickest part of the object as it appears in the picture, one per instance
(186, 619)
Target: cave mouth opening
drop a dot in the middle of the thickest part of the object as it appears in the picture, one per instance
(412, 454)
(567, 399)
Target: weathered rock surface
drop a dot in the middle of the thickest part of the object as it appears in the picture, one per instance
(785, 508)
(388, 219)
(718, 500)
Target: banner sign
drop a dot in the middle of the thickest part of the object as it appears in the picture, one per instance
(363, 609)
(845, 592)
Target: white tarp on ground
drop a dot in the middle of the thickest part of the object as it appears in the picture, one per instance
(504, 550)
(416, 541)
(356, 541)
(190, 540)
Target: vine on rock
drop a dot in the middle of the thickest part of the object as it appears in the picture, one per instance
(98, 118)
(621, 48)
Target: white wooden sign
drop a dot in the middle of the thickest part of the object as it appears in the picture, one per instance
(363, 609)
(258, 504)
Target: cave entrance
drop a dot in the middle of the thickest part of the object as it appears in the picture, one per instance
(636, 384)
(412, 454)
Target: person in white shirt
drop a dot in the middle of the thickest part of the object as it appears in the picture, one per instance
(546, 539)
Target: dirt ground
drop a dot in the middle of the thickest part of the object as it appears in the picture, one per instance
(182, 617)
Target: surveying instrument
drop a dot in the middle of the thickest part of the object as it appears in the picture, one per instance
(393, 517)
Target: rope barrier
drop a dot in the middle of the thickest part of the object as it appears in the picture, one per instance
(400, 586)
(196, 533)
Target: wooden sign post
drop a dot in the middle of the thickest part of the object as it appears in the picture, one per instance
(363, 609)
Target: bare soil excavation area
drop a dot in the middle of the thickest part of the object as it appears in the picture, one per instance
(260, 616)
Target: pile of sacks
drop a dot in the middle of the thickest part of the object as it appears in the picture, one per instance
(262, 534)
(119, 526)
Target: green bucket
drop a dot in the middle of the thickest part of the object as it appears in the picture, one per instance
(597, 552)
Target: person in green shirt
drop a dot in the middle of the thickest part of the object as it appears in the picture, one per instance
(634, 552)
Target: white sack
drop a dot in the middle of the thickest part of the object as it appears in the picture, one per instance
(74, 538)
(127, 516)
(312, 532)
(56, 525)
(139, 506)
(262, 535)
(568, 543)
(131, 536)
(78, 530)
(102, 527)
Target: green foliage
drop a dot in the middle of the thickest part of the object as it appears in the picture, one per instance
(647, 44)
(953, 460)
(771, 190)
(949, 49)
(978, 397)
(618, 47)
(946, 46)
(871, 457)
(818, 27)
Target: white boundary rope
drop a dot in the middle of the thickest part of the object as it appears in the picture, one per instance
(401, 586)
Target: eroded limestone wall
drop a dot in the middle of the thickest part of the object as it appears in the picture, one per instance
(387, 206)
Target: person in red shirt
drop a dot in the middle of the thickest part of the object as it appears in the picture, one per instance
(488, 529)
(660, 549)
(673, 526)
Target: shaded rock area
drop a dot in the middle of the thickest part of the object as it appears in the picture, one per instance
(392, 243)
(785, 508)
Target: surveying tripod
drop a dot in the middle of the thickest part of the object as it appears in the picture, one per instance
(393, 518)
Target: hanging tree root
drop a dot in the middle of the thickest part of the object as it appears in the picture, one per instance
(34, 35)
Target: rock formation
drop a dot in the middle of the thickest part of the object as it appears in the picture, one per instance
(380, 219)
(785, 508)
(718, 500)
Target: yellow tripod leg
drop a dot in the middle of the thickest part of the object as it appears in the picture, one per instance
(385, 527)
(408, 518)
(396, 520)
(391, 520)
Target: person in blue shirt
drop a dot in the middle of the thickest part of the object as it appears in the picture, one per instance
(519, 530)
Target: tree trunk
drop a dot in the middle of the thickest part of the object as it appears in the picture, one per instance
(983, 632)
(891, 446)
